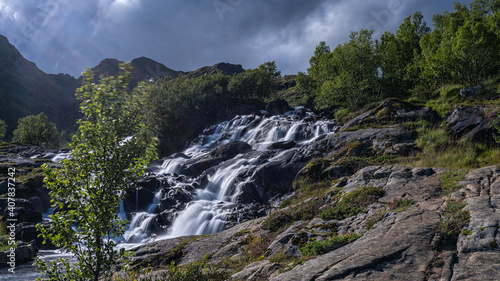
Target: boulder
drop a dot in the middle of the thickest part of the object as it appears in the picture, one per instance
(269, 180)
(230, 150)
(278, 107)
(24, 253)
(470, 91)
(282, 145)
(138, 200)
(470, 123)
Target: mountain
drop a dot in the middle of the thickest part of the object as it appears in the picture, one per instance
(27, 90)
(144, 69)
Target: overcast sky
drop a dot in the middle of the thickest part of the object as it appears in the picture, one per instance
(65, 36)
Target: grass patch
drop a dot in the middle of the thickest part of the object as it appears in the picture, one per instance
(285, 217)
(456, 156)
(400, 204)
(450, 180)
(315, 248)
(454, 220)
(353, 203)
(190, 272)
(374, 219)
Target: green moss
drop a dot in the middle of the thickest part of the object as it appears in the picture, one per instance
(467, 232)
(241, 233)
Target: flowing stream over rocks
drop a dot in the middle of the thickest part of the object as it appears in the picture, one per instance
(231, 173)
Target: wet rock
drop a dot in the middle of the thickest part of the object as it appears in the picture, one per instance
(138, 200)
(282, 145)
(278, 106)
(231, 149)
(268, 180)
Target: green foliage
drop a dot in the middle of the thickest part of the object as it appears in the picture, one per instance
(36, 130)
(346, 77)
(315, 248)
(353, 203)
(463, 47)
(454, 220)
(400, 55)
(179, 109)
(433, 139)
(109, 154)
(3, 129)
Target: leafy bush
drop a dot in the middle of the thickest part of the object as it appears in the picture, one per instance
(325, 246)
(353, 203)
(3, 129)
(36, 130)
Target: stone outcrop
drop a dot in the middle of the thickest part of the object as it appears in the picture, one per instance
(401, 245)
(471, 124)
(393, 112)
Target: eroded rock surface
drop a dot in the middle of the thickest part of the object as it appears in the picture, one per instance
(401, 245)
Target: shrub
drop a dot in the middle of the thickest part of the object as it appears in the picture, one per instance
(353, 203)
(36, 130)
(3, 129)
(325, 246)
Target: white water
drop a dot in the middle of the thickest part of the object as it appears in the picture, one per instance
(207, 212)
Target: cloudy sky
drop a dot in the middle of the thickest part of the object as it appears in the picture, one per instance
(65, 36)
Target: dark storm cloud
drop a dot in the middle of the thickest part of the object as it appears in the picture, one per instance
(67, 36)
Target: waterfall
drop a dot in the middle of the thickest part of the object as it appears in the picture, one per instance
(215, 192)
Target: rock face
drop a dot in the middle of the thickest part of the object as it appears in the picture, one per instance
(393, 112)
(279, 106)
(471, 124)
(402, 244)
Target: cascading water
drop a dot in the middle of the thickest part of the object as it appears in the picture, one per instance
(217, 191)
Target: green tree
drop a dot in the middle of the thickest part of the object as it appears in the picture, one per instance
(463, 46)
(3, 129)
(255, 83)
(476, 53)
(36, 130)
(350, 77)
(109, 154)
(399, 57)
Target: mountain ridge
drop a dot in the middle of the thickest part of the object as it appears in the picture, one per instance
(27, 90)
